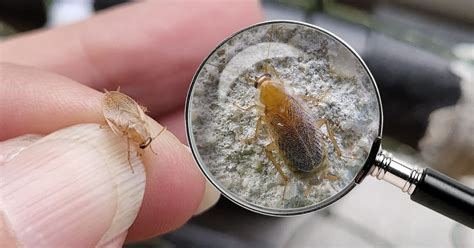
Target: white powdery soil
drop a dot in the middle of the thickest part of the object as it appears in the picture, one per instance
(309, 63)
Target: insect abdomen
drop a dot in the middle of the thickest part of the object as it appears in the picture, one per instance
(297, 137)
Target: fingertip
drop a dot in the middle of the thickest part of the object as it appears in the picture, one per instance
(209, 199)
(174, 188)
(79, 183)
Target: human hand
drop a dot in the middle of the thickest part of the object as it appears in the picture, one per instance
(151, 49)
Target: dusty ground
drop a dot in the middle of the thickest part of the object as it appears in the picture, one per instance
(309, 63)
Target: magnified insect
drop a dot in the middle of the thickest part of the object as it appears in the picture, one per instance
(127, 118)
(296, 136)
(281, 119)
(307, 129)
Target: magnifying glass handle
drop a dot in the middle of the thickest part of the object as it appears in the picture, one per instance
(428, 187)
(446, 196)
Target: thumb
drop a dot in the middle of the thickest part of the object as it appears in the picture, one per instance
(72, 188)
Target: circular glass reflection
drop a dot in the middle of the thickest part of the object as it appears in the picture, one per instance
(281, 117)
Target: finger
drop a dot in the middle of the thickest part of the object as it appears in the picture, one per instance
(158, 44)
(71, 188)
(170, 186)
(175, 122)
(174, 185)
(33, 101)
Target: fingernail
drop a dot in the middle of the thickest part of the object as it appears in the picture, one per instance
(209, 199)
(211, 194)
(8, 150)
(71, 188)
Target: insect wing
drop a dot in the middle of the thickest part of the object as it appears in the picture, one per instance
(298, 138)
(121, 111)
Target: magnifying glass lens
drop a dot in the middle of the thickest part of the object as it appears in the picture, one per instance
(281, 117)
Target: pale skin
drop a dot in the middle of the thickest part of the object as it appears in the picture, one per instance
(84, 58)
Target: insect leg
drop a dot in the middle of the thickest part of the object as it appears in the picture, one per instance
(250, 80)
(129, 163)
(143, 108)
(331, 177)
(325, 173)
(244, 108)
(330, 129)
(308, 190)
(153, 151)
(270, 156)
(326, 123)
(318, 176)
(315, 99)
(257, 131)
(140, 153)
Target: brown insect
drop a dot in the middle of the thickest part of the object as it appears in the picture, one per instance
(126, 117)
(295, 134)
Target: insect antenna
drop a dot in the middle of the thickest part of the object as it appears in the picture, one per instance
(153, 151)
(248, 79)
(151, 147)
(212, 65)
(118, 89)
(216, 66)
(270, 41)
(161, 131)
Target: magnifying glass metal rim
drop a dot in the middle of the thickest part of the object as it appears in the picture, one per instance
(290, 211)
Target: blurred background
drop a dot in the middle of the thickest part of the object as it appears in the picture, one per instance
(421, 53)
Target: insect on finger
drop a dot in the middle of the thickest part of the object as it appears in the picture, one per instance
(126, 117)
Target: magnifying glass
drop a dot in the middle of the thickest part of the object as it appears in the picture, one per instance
(285, 118)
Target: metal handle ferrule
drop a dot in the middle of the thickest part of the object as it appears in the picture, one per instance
(398, 173)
